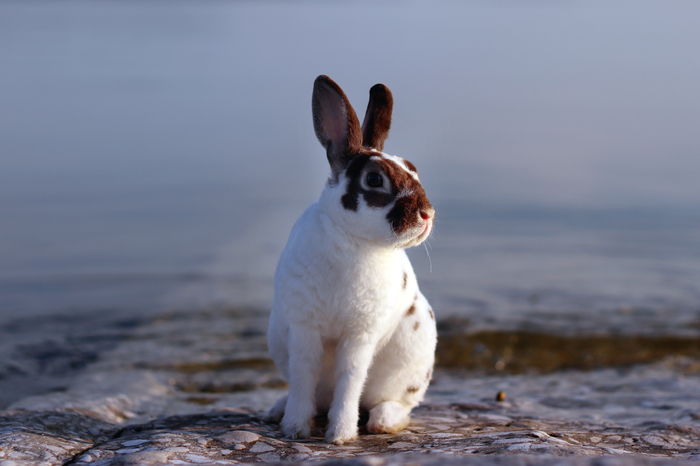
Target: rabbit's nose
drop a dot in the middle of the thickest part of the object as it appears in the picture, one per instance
(425, 215)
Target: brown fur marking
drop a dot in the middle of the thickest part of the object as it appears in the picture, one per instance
(375, 127)
(416, 326)
(404, 215)
(432, 316)
(410, 166)
(405, 280)
(411, 310)
(405, 212)
(412, 389)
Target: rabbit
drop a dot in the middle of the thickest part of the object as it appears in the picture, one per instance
(349, 328)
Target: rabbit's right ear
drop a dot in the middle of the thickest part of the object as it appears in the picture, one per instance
(375, 127)
(336, 124)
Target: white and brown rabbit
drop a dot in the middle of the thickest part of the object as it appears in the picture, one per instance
(349, 328)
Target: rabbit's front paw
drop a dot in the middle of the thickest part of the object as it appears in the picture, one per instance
(296, 430)
(298, 416)
(338, 433)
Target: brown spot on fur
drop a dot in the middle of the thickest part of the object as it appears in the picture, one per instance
(411, 310)
(412, 389)
(416, 326)
(429, 374)
(410, 166)
(432, 316)
(405, 280)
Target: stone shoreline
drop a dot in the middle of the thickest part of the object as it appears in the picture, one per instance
(189, 388)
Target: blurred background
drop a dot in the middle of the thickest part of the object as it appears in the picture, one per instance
(155, 154)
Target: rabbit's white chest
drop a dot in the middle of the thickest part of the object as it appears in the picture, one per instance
(362, 298)
(337, 286)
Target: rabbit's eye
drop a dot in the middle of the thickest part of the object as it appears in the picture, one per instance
(374, 180)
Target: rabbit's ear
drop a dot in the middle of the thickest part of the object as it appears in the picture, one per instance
(336, 124)
(375, 128)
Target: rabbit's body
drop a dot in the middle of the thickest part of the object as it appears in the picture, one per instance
(349, 327)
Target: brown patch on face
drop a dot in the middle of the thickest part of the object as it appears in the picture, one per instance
(405, 280)
(429, 374)
(410, 166)
(411, 310)
(412, 389)
(360, 166)
(416, 326)
(351, 197)
(406, 210)
(430, 311)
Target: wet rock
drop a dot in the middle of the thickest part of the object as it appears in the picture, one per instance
(302, 449)
(261, 447)
(269, 457)
(237, 437)
(198, 439)
(49, 437)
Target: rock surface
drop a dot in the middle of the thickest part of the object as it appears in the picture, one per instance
(190, 389)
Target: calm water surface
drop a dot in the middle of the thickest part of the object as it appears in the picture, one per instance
(156, 154)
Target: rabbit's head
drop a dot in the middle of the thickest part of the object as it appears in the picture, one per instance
(372, 196)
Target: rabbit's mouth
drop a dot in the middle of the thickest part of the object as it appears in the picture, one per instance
(427, 229)
(420, 234)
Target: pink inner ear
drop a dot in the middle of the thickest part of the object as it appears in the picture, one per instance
(334, 120)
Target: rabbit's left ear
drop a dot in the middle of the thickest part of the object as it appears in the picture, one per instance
(336, 124)
(375, 128)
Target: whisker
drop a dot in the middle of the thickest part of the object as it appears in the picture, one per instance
(429, 259)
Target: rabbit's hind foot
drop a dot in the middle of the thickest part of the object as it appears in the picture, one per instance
(388, 417)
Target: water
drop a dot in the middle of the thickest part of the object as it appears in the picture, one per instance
(154, 155)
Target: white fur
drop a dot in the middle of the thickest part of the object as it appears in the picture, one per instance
(398, 161)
